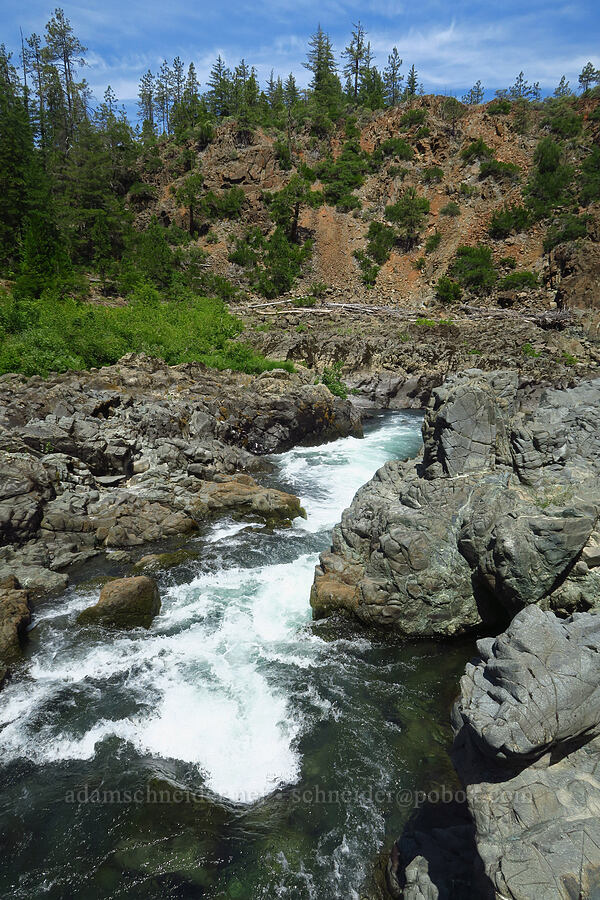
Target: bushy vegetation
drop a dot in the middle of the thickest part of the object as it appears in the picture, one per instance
(473, 269)
(451, 209)
(394, 147)
(433, 242)
(549, 186)
(432, 174)
(447, 290)
(341, 176)
(332, 379)
(409, 215)
(499, 107)
(50, 334)
(477, 149)
(500, 171)
(567, 228)
(412, 117)
(508, 220)
(381, 239)
(518, 281)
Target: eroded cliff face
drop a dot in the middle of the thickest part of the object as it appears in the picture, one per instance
(500, 512)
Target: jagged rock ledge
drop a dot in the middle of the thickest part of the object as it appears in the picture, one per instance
(527, 749)
(500, 511)
(140, 451)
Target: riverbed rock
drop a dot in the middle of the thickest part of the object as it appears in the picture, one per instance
(527, 749)
(501, 510)
(15, 616)
(124, 603)
(140, 452)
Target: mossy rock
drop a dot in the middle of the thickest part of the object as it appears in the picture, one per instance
(124, 603)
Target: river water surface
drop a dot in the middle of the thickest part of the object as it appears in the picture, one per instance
(234, 750)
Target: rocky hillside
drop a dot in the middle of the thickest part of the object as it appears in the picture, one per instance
(463, 194)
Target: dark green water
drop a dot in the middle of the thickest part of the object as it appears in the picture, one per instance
(236, 750)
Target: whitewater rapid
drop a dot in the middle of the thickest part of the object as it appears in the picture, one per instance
(217, 682)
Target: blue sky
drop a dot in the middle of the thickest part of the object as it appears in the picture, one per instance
(451, 44)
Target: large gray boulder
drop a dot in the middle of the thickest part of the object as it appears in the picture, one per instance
(500, 511)
(527, 751)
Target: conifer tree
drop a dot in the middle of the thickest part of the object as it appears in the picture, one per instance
(290, 91)
(475, 95)
(354, 53)
(325, 83)
(65, 52)
(588, 76)
(392, 79)
(563, 89)
(412, 84)
(146, 99)
(219, 89)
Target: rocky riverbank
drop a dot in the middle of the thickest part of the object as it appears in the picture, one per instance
(528, 753)
(500, 511)
(139, 452)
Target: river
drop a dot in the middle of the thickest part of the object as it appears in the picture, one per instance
(235, 749)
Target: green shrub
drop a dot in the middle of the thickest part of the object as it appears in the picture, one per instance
(332, 379)
(467, 190)
(398, 172)
(422, 322)
(477, 149)
(567, 228)
(529, 350)
(413, 117)
(550, 181)
(283, 155)
(563, 120)
(304, 302)
(590, 177)
(422, 132)
(420, 263)
(140, 192)
(318, 289)
(431, 174)
(408, 214)
(51, 334)
(395, 147)
(509, 219)
(447, 290)
(340, 177)
(433, 242)
(499, 107)
(569, 359)
(450, 209)
(518, 280)
(473, 268)
(381, 239)
(508, 262)
(500, 171)
(369, 270)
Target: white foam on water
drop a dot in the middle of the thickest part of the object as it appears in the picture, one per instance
(209, 683)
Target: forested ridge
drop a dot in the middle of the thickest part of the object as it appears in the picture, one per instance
(81, 185)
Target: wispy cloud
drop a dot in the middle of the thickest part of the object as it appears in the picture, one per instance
(451, 47)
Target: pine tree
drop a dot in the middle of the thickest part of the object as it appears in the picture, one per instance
(192, 87)
(354, 53)
(16, 155)
(146, 101)
(371, 92)
(452, 111)
(219, 89)
(325, 83)
(178, 80)
(64, 50)
(587, 77)
(163, 96)
(412, 84)
(563, 89)
(36, 67)
(475, 95)
(290, 91)
(392, 79)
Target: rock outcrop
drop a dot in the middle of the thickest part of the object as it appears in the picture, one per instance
(500, 511)
(124, 603)
(15, 616)
(138, 452)
(527, 749)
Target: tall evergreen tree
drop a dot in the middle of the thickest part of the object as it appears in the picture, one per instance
(325, 83)
(588, 76)
(65, 52)
(354, 53)
(412, 84)
(290, 91)
(392, 79)
(219, 89)
(563, 89)
(475, 95)
(16, 156)
(146, 99)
